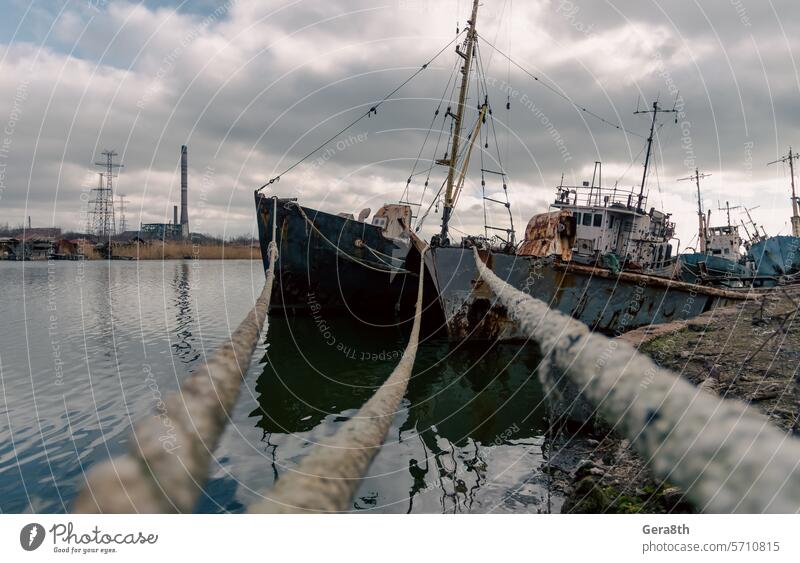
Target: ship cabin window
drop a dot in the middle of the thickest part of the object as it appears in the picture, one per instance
(716, 251)
(577, 218)
(598, 220)
(587, 220)
(611, 222)
(668, 254)
(727, 251)
(379, 222)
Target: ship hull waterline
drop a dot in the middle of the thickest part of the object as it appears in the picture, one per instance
(607, 302)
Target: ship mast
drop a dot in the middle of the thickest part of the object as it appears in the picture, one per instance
(655, 111)
(757, 236)
(469, 44)
(790, 158)
(728, 209)
(701, 218)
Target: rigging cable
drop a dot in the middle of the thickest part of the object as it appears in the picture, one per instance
(561, 94)
(406, 193)
(499, 158)
(483, 188)
(630, 164)
(372, 110)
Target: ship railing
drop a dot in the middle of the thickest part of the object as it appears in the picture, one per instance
(726, 456)
(595, 196)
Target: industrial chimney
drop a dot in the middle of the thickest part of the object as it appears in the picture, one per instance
(174, 214)
(184, 193)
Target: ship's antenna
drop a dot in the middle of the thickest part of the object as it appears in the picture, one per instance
(701, 218)
(756, 236)
(790, 158)
(728, 209)
(469, 46)
(746, 231)
(655, 111)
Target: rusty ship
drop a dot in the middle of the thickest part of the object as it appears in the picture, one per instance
(601, 256)
(724, 258)
(337, 264)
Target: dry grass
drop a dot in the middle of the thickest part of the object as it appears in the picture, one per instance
(187, 250)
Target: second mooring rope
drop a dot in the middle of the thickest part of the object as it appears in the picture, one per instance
(725, 455)
(328, 477)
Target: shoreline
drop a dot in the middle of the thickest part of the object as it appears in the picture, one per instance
(742, 352)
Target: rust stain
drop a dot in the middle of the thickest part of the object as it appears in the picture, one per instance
(479, 319)
(550, 234)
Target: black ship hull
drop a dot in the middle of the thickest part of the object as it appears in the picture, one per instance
(332, 265)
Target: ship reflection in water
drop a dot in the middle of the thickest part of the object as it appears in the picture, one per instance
(469, 437)
(471, 440)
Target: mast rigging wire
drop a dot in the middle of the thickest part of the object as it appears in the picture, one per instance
(561, 94)
(372, 110)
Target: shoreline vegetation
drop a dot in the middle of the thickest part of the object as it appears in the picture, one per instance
(51, 243)
(172, 250)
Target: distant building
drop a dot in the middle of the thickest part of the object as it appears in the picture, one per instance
(64, 248)
(51, 233)
(160, 231)
(38, 248)
(10, 248)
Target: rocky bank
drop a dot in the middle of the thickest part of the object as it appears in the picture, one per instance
(748, 352)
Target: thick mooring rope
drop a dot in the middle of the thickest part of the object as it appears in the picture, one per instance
(170, 452)
(328, 477)
(725, 455)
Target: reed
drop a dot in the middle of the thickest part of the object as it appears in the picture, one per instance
(171, 250)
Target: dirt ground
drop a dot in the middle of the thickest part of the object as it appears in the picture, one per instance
(748, 352)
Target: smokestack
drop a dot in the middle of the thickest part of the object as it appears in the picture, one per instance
(184, 192)
(174, 214)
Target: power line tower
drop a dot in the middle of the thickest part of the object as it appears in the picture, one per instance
(90, 214)
(103, 224)
(790, 158)
(123, 223)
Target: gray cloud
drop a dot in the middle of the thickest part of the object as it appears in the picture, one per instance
(245, 82)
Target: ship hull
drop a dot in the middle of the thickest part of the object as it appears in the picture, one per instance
(776, 256)
(607, 302)
(329, 265)
(699, 266)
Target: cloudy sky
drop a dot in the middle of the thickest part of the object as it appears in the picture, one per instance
(252, 86)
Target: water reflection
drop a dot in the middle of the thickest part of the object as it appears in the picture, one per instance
(183, 346)
(470, 414)
(469, 435)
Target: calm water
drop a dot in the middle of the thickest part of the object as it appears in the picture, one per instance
(78, 341)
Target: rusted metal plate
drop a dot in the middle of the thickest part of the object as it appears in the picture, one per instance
(549, 234)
